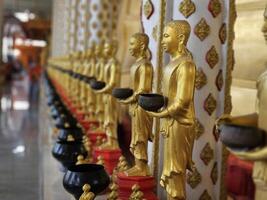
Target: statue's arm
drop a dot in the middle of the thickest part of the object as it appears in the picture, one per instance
(184, 93)
(185, 89)
(112, 82)
(142, 85)
(249, 120)
(245, 120)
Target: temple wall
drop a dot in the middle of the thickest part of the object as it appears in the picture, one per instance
(250, 54)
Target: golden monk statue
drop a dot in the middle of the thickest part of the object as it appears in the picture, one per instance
(87, 194)
(99, 75)
(83, 85)
(258, 119)
(179, 114)
(90, 72)
(141, 79)
(76, 83)
(112, 76)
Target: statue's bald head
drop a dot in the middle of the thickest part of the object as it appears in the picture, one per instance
(138, 44)
(141, 38)
(180, 27)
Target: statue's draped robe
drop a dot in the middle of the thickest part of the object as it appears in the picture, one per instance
(111, 111)
(91, 98)
(141, 75)
(179, 85)
(99, 97)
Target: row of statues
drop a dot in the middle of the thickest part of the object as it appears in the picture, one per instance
(177, 116)
(99, 62)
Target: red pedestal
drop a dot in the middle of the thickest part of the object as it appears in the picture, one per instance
(89, 125)
(146, 183)
(92, 135)
(242, 185)
(79, 116)
(110, 158)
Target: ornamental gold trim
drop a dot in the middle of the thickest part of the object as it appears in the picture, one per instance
(187, 8)
(215, 7)
(159, 63)
(202, 29)
(214, 173)
(205, 196)
(212, 57)
(227, 89)
(155, 32)
(210, 104)
(223, 33)
(201, 79)
(207, 154)
(113, 195)
(148, 9)
(194, 178)
(199, 129)
(219, 80)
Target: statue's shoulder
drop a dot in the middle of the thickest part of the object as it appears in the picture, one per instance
(145, 63)
(188, 64)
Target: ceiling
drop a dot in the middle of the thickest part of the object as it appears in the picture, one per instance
(42, 8)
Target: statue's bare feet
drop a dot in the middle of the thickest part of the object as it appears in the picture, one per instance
(109, 145)
(136, 171)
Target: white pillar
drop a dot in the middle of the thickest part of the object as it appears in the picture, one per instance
(58, 28)
(82, 25)
(73, 25)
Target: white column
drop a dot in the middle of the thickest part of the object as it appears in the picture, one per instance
(66, 28)
(58, 28)
(73, 21)
(82, 25)
(102, 23)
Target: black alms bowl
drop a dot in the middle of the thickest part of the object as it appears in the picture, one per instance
(57, 110)
(97, 85)
(91, 174)
(63, 119)
(241, 137)
(66, 152)
(152, 102)
(88, 79)
(122, 93)
(75, 132)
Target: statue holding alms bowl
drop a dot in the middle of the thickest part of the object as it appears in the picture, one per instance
(152, 102)
(97, 85)
(178, 115)
(122, 93)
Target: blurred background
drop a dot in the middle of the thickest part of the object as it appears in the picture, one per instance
(29, 34)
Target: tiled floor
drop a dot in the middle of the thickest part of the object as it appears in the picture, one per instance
(27, 169)
(19, 157)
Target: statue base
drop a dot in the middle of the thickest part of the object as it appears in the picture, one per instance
(89, 125)
(93, 135)
(79, 116)
(110, 158)
(125, 183)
